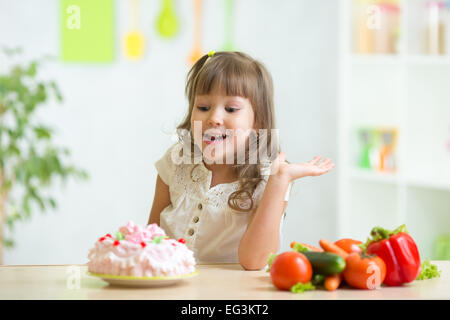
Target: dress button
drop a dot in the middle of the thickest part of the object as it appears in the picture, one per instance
(191, 232)
(200, 206)
(196, 219)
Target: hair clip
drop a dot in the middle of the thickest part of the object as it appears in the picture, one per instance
(211, 53)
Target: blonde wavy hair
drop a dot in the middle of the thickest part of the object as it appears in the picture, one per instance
(236, 74)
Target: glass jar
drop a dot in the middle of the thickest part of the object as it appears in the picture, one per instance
(363, 33)
(386, 33)
(435, 28)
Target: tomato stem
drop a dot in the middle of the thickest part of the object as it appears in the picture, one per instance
(364, 255)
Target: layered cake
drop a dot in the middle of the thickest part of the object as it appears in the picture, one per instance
(141, 252)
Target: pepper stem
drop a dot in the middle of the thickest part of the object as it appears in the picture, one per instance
(379, 233)
(382, 233)
(401, 228)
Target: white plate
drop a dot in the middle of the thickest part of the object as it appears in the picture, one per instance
(130, 281)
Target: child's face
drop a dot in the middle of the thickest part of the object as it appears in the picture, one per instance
(216, 114)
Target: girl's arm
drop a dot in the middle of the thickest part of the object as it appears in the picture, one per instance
(262, 235)
(160, 201)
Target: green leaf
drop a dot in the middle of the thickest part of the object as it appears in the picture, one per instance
(32, 192)
(41, 93)
(8, 243)
(13, 150)
(300, 248)
(20, 173)
(26, 206)
(56, 91)
(300, 287)
(65, 151)
(81, 174)
(42, 132)
(119, 236)
(11, 51)
(32, 69)
(7, 185)
(12, 218)
(428, 271)
(52, 202)
(3, 107)
(158, 239)
(17, 72)
(272, 257)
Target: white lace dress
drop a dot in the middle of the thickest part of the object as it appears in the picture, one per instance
(201, 214)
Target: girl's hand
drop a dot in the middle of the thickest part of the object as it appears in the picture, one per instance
(293, 171)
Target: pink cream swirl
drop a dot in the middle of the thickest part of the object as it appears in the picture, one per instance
(136, 234)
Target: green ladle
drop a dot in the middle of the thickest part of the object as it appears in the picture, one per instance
(228, 13)
(167, 22)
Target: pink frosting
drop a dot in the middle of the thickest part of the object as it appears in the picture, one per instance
(137, 234)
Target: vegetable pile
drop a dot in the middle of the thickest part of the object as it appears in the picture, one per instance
(387, 257)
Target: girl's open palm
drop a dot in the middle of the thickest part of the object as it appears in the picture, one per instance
(302, 169)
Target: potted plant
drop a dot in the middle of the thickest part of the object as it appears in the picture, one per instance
(30, 163)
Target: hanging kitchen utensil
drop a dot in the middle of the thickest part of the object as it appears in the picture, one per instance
(167, 22)
(196, 52)
(228, 16)
(134, 39)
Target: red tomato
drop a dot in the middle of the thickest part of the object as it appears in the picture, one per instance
(349, 245)
(289, 268)
(364, 272)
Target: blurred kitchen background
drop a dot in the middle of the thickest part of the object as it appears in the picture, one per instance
(363, 82)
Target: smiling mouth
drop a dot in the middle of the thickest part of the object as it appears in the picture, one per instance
(214, 138)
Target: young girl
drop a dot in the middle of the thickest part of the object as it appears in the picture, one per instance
(227, 210)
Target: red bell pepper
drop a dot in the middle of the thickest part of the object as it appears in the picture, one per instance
(399, 252)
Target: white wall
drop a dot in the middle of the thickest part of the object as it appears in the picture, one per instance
(117, 118)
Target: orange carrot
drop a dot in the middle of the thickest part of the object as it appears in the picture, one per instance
(329, 246)
(332, 282)
(309, 246)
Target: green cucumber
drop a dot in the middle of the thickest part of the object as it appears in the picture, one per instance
(325, 263)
